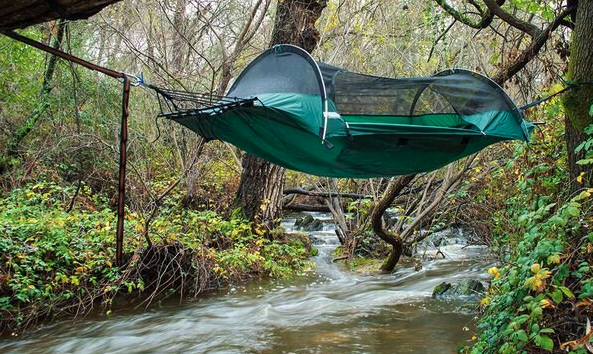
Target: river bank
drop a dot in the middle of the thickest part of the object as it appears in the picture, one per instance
(57, 258)
(327, 309)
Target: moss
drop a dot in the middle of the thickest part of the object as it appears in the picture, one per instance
(441, 289)
(313, 252)
(365, 265)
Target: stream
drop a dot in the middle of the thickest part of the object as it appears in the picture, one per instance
(329, 310)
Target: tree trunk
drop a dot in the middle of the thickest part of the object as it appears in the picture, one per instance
(260, 189)
(295, 23)
(377, 221)
(48, 75)
(19, 14)
(397, 248)
(578, 101)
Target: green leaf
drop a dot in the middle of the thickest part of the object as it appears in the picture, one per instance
(548, 14)
(521, 335)
(558, 220)
(556, 295)
(585, 162)
(554, 258)
(573, 211)
(591, 111)
(546, 343)
(566, 292)
(533, 7)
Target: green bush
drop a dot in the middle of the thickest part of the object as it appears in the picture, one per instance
(55, 261)
(540, 298)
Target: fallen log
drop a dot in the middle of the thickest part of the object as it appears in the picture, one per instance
(325, 194)
(306, 207)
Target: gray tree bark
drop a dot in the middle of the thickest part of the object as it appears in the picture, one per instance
(260, 190)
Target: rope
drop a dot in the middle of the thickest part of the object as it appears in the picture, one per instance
(176, 103)
(540, 101)
(569, 86)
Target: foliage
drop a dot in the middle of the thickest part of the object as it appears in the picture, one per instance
(541, 297)
(20, 70)
(587, 145)
(54, 261)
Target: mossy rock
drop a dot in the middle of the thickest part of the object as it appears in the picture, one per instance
(308, 223)
(469, 287)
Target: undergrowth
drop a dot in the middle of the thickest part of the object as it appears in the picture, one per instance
(540, 299)
(56, 257)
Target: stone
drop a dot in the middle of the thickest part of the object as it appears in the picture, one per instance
(469, 287)
(308, 223)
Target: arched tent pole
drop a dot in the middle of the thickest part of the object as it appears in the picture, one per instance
(415, 101)
(516, 111)
(279, 48)
(324, 103)
(123, 138)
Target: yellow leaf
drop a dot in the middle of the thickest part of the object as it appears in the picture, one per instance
(545, 303)
(584, 303)
(535, 268)
(494, 272)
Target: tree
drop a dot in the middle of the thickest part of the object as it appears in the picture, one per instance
(260, 190)
(577, 15)
(31, 121)
(577, 102)
(406, 232)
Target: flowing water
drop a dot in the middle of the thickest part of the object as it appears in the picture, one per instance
(331, 310)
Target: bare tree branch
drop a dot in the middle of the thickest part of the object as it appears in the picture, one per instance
(512, 20)
(530, 52)
(484, 21)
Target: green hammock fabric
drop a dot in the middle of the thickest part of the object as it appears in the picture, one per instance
(372, 127)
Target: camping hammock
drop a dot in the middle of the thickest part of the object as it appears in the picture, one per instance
(319, 119)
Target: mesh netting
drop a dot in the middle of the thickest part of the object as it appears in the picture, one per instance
(177, 104)
(455, 91)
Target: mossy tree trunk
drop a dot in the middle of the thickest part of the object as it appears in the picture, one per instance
(578, 101)
(260, 190)
(31, 121)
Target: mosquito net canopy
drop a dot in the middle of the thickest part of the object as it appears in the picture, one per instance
(316, 118)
